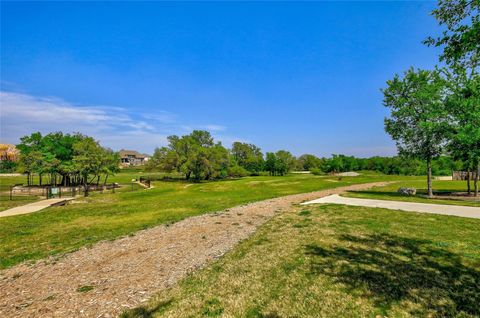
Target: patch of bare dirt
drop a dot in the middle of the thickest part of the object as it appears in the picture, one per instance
(111, 276)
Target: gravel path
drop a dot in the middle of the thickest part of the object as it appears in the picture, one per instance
(111, 276)
(456, 210)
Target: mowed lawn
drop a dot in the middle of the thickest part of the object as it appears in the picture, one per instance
(389, 192)
(5, 202)
(338, 261)
(124, 177)
(108, 216)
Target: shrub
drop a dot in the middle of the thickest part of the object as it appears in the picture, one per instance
(317, 172)
(237, 172)
(7, 166)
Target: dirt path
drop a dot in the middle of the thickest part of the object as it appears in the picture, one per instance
(456, 210)
(104, 280)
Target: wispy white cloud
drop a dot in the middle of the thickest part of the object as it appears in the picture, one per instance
(214, 127)
(48, 111)
(209, 127)
(163, 117)
(114, 127)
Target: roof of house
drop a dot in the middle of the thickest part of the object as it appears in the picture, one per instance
(8, 151)
(124, 153)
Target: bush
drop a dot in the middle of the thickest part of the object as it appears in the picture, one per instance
(317, 172)
(237, 172)
(7, 166)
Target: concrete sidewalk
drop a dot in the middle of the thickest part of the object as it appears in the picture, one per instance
(34, 207)
(456, 210)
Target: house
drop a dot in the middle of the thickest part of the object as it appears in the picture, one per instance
(132, 158)
(8, 152)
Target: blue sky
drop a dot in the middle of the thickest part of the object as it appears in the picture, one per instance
(305, 77)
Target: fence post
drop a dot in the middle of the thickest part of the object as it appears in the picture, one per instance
(60, 192)
(11, 190)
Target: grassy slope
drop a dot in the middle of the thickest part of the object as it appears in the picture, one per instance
(107, 216)
(389, 192)
(338, 261)
(124, 177)
(5, 202)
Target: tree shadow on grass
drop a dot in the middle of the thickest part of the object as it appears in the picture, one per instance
(396, 194)
(377, 193)
(390, 269)
(145, 311)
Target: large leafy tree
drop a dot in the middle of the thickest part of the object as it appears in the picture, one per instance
(464, 106)
(460, 41)
(460, 38)
(307, 162)
(66, 159)
(88, 159)
(279, 163)
(196, 155)
(248, 156)
(418, 119)
(285, 162)
(271, 163)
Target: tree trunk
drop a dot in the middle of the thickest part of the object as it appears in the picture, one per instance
(468, 182)
(85, 185)
(40, 179)
(429, 178)
(475, 181)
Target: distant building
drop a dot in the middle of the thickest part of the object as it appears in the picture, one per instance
(462, 175)
(8, 152)
(132, 158)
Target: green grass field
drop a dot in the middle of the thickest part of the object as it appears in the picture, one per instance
(389, 192)
(5, 202)
(108, 216)
(86, 221)
(338, 261)
(124, 178)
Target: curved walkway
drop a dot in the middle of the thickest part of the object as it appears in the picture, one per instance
(456, 210)
(112, 276)
(34, 207)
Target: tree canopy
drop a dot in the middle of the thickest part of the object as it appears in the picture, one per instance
(418, 119)
(460, 39)
(196, 155)
(65, 159)
(437, 112)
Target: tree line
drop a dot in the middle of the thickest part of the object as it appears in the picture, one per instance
(65, 159)
(76, 159)
(437, 112)
(198, 157)
(442, 166)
